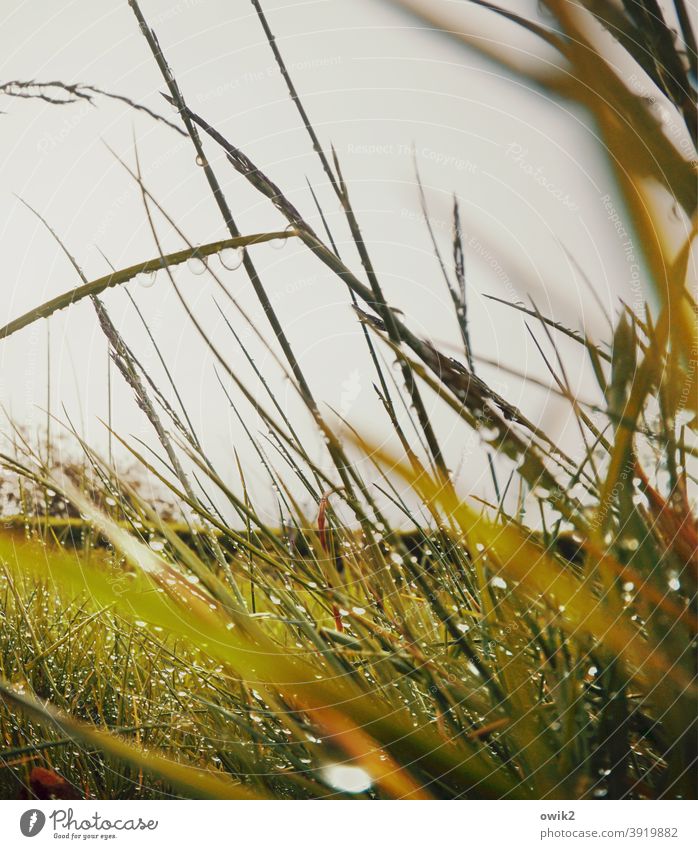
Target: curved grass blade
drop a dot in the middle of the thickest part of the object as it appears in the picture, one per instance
(116, 278)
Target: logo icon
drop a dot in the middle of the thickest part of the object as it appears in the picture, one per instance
(31, 822)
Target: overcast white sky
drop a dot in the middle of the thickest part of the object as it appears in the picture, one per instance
(375, 83)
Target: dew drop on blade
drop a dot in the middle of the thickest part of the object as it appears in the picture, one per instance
(196, 265)
(278, 244)
(231, 258)
(489, 432)
(146, 279)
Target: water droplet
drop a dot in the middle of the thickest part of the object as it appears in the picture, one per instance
(674, 583)
(463, 628)
(231, 258)
(278, 244)
(498, 582)
(348, 779)
(200, 161)
(145, 279)
(359, 611)
(600, 792)
(196, 264)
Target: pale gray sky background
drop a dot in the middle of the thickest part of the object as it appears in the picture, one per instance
(526, 170)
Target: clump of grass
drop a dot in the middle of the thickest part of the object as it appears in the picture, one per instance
(538, 647)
